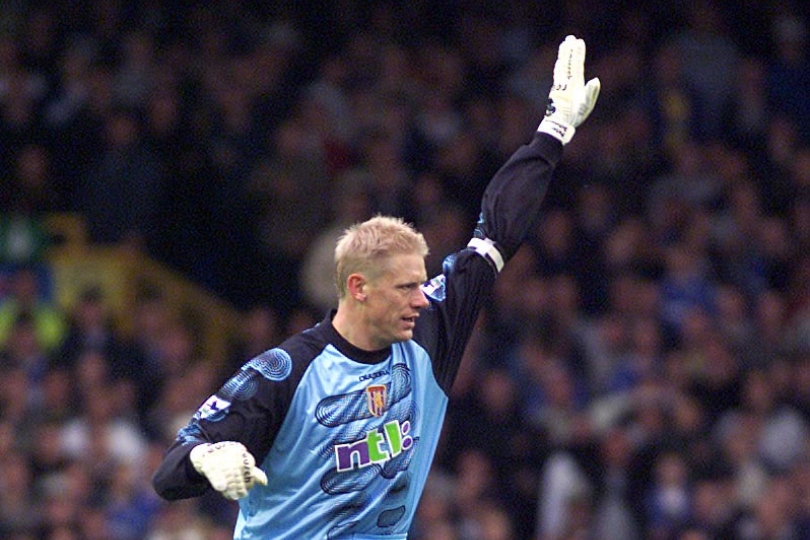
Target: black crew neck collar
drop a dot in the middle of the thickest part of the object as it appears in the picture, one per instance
(351, 351)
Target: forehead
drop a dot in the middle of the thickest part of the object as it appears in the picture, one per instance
(403, 268)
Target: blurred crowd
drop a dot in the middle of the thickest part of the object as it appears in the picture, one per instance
(642, 370)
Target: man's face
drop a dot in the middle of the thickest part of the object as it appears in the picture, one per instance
(394, 299)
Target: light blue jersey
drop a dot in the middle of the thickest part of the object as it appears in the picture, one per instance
(357, 444)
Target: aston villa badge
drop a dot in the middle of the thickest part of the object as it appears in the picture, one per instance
(377, 398)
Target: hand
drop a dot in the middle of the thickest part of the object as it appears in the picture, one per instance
(228, 466)
(570, 100)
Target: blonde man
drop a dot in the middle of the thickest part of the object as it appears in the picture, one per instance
(343, 419)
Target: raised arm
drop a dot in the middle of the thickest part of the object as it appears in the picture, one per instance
(509, 211)
(511, 202)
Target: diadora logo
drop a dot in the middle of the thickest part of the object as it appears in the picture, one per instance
(377, 446)
(375, 375)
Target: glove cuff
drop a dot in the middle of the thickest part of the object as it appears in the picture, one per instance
(557, 128)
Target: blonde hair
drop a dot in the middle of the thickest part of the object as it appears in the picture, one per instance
(364, 246)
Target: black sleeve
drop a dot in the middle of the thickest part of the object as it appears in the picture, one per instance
(509, 210)
(249, 408)
(511, 204)
(176, 478)
(467, 282)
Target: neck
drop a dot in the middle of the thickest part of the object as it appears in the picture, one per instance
(349, 324)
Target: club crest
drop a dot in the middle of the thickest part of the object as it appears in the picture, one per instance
(377, 398)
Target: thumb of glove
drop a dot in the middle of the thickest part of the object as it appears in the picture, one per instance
(259, 477)
(586, 101)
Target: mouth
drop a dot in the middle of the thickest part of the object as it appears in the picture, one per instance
(410, 321)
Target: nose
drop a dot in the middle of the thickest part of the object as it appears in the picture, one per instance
(419, 299)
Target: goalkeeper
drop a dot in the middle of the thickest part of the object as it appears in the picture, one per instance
(332, 434)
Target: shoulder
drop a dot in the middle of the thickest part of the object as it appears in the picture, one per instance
(465, 267)
(306, 345)
(292, 356)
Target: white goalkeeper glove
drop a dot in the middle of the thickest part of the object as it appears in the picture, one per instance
(228, 466)
(570, 100)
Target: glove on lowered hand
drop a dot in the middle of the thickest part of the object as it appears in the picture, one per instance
(228, 466)
(570, 100)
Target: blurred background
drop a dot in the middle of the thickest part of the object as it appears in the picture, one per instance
(173, 176)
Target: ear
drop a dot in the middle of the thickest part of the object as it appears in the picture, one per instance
(356, 285)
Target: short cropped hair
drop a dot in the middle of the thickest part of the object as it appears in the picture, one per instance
(363, 246)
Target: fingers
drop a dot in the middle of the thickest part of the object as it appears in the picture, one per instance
(229, 467)
(569, 70)
(235, 493)
(562, 66)
(219, 481)
(242, 482)
(576, 61)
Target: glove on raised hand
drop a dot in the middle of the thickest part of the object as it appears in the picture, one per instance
(228, 466)
(570, 100)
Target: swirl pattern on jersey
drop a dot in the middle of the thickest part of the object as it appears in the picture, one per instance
(335, 483)
(340, 530)
(337, 410)
(243, 385)
(398, 463)
(389, 518)
(273, 365)
(348, 415)
(347, 432)
(345, 511)
(400, 485)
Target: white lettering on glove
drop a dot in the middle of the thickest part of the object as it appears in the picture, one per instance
(229, 467)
